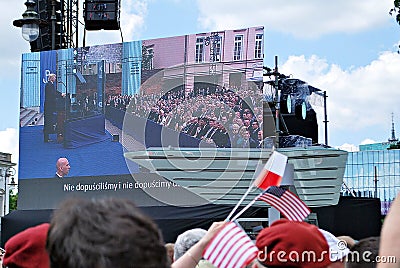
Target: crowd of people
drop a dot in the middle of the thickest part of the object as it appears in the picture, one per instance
(211, 113)
(109, 232)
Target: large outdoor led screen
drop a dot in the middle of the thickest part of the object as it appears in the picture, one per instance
(91, 105)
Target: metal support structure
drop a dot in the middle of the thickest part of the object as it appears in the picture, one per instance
(70, 22)
(53, 20)
(325, 119)
(276, 99)
(393, 138)
(348, 189)
(277, 103)
(376, 181)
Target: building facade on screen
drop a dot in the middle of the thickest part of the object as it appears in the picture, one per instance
(225, 58)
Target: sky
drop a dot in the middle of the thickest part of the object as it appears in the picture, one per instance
(346, 47)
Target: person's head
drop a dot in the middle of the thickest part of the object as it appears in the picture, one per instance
(100, 233)
(260, 135)
(242, 130)
(260, 117)
(364, 253)
(211, 122)
(28, 248)
(224, 119)
(237, 121)
(51, 77)
(187, 240)
(222, 128)
(202, 121)
(170, 251)
(63, 166)
(248, 114)
(292, 244)
(246, 134)
(235, 128)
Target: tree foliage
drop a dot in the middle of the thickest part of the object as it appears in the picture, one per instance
(13, 201)
(395, 11)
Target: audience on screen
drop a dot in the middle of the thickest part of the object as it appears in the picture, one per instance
(207, 113)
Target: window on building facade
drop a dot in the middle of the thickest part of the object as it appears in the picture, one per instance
(199, 57)
(147, 58)
(374, 173)
(218, 50)
(258, 47)
(238, 47)
(150, 52)
(110, 67)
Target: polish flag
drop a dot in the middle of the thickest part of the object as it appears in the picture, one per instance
(272, 173)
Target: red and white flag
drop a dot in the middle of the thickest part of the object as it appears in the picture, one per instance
(286, 202)
(272, 173)
(231, 247)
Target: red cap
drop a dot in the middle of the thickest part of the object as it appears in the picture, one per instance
(28, 248)
(292, 244)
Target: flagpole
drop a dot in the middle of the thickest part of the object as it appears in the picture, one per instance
(240, 201)
(245, 208)
(260, 183)
(243, 197)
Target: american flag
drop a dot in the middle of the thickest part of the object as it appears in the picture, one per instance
(286, 202)
(230, 248)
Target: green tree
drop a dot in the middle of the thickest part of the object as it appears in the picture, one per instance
(395, 11)
(13, 201)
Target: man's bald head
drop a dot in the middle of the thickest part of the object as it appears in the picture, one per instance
(62, 166)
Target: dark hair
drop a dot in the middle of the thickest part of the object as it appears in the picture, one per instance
(102, 233)
(355, 258)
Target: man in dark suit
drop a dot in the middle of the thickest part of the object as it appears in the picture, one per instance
(254, 130)
(202, 128)
(247, 141)
(51, 97)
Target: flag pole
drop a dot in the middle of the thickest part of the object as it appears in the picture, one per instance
(248, 190)
(245, 208)
(240, 201)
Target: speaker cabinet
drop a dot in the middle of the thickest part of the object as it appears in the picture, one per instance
(101, 14)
